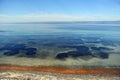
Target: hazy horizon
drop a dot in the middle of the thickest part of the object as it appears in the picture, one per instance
(23, 11)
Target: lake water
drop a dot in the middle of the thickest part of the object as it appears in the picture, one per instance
(60, 44)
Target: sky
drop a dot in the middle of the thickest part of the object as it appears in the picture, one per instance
(58, 10)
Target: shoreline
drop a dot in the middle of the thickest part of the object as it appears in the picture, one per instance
(32, 75)
(86, 71)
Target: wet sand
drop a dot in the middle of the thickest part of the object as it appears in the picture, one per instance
(110, 71)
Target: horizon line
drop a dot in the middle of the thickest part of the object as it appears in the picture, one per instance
(53, 22)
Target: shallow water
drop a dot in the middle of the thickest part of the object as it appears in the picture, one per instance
(71, 44)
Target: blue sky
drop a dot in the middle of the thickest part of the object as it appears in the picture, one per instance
(58, 10)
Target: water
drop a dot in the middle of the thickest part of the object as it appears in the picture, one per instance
(60, 44)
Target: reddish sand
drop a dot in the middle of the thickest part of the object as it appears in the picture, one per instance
(112, 71)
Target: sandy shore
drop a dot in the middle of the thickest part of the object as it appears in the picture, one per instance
(110, 71)
(33, 75)
(8, 72)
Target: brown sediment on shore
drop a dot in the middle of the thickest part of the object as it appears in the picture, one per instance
(111, 71)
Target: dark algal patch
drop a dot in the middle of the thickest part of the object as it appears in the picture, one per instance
(83, 51)
(80, 51)
(73, 54)
(78, 54)
(11, 52)
(62, 56)
(31, 51)
(13, 49)
(73, 46)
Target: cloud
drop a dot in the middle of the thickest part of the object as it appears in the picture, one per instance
(46, 17)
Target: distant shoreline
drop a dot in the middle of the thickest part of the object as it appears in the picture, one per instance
(66, 22)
